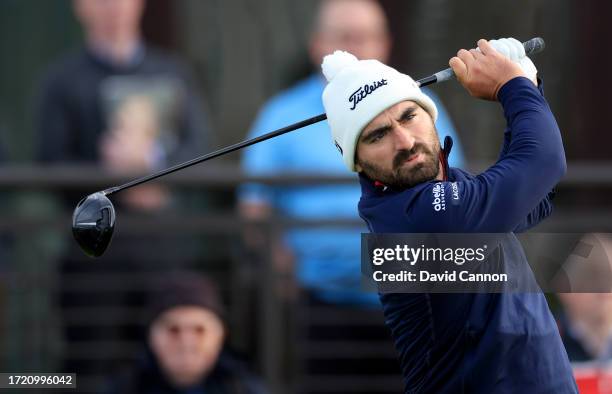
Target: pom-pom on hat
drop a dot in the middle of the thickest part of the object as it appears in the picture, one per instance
(357, 92)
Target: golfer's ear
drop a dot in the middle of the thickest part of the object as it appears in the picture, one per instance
(358, 167)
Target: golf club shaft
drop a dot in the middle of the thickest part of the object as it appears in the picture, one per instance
(532, 46)
(217, 153)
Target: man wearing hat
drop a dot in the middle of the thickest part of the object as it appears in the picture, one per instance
(185, 344)
(384, 127)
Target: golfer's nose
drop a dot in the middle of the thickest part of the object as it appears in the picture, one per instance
(403, 139)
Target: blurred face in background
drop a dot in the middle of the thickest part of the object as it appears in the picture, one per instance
(592, 309)
(110, 19)
(186, 342)
(356, 26)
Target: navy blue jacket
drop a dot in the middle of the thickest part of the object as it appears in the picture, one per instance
(480, 343)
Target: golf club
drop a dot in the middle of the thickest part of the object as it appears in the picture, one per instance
(93, 220)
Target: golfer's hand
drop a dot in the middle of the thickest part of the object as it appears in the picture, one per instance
(482, 73)
(513, 49)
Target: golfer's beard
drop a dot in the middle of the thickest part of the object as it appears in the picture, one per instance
(402, 177)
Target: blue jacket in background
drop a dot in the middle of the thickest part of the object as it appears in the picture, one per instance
(480, 343)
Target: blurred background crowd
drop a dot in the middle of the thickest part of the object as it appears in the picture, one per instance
(242, 275)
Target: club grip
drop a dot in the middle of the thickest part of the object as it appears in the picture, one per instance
(533, 46)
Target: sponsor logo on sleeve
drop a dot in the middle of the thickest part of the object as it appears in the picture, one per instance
(455, 196)
(439, 197)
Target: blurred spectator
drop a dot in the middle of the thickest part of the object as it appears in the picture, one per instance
(185, 338)
(122, 104)
(586, 326)
(328, 260)
(82, 116)
(585, 323)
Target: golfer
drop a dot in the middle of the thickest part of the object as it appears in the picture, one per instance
(384, 127)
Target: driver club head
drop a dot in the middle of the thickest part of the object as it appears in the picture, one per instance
(93, 222)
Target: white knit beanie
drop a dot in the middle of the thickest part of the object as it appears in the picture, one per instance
(357, 92)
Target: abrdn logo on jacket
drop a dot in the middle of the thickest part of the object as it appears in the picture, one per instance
(364, 91)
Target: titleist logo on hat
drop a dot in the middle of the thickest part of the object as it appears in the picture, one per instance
(364, 91)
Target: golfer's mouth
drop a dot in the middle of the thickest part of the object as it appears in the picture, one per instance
(412, 159)
(410, 162)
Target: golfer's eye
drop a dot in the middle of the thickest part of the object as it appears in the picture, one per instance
(376, 136)
(407, 117)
